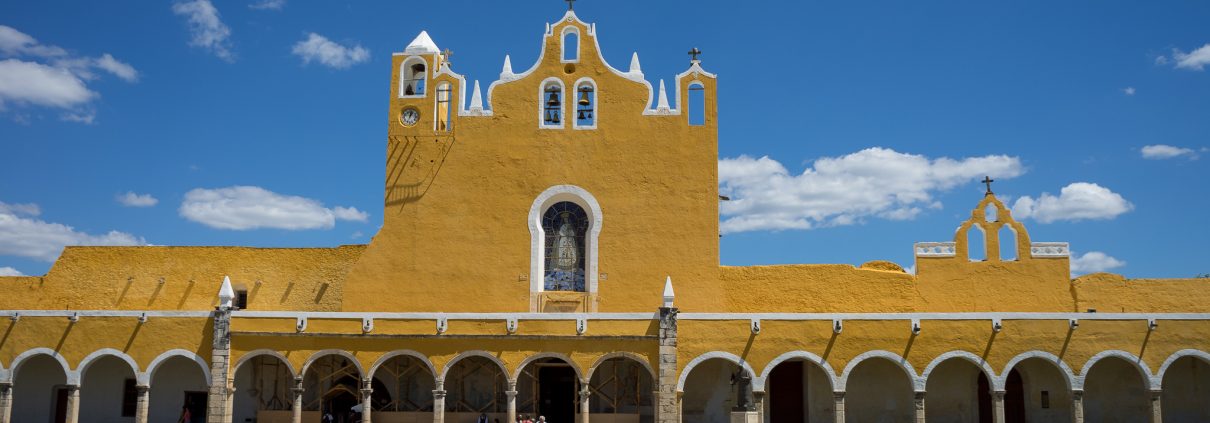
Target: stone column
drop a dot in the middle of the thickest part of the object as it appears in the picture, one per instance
(998, 407)
(585, 395)
(6, 402)
(919, 400)
(439, 402)
(838, 407)
(760, 399)
(142, 403)
(512, 402)
(1157, 414)
(367, 397)
(296, 406)
(1077, 406)
(667, 400)
(73, 404)
(218, 408)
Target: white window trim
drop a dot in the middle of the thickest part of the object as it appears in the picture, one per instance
(575, 92)
(688, 106)
(563, 44)
(537, 244)
(542, 104)
(403, 69)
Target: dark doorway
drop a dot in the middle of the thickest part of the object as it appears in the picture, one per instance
(557, 393)
(196, 401)
(60, 405)
(985, 399)
(786, 401)
(1014, 398)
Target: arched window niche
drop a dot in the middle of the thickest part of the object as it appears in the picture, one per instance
(564, 225)
(413, 75)
(551, 95)
(445, 108)
(586, 110)
(571, 44)
(696, 109)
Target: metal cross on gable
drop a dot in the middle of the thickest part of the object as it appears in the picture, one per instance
(987, 180)
(694, 53)
(569, 4)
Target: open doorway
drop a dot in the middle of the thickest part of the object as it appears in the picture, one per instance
(557, 393)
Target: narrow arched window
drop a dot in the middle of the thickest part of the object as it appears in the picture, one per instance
(571, 44)
(586, 105)
(551, 101)
(976, 246)
(1008, 243)
(445, 108)
(565, 225)
(697, 104)
(412, 77)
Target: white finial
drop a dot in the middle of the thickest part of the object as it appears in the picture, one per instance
(225, 294)
(423, 44)
(508, 68)
(668, 294)
(663, 104)
(634, 64)
(476, 99)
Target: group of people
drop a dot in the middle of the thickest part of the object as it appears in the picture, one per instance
(521, 418)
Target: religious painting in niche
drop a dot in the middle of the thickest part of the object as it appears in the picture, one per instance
(565, 225)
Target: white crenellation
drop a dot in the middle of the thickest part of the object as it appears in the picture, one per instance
(1049, 249)
(935, 249)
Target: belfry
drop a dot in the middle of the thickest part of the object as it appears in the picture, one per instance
(502, 287)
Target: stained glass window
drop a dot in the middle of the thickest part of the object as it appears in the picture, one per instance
(565, 225)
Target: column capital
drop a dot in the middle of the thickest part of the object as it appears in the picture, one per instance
(142, 389)
(998, 394)
(1077, 393)
(511, 394)
(838, 395)
(367, 391)
(6, 385)
(72, 388)
(439, 394)
(919, 395)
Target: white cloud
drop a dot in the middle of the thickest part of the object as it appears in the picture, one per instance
(1094, 261)
(268, 5)
(9, 271)
(1194, 60)
(1076, 201)
(130, 199)
(25, 236)
(1129, 91)
(1163, 151)
(320, 49)
(875, 182)
(54, 77)
(207, 28)
(250, 207)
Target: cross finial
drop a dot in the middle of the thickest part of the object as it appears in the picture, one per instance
(569, 4)
(987, 180)
(694, 53)
(448, 53)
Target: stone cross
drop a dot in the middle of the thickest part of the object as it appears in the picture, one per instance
(694, 53)
(987, 180)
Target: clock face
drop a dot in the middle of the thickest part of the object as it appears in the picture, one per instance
(410, 116)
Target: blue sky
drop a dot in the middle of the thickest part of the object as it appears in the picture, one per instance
(874, 120)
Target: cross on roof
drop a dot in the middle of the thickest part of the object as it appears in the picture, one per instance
(987, 180)
(694, 53)
(569, 2)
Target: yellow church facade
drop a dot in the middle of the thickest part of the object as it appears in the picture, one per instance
(501, 286)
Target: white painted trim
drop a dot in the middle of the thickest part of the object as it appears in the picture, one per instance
(1198, 354)
(537, 251)
(961, 355)
(402, 353)
(935, 249)
(563, 44)
(989, 316)
(149, 375)
(521, 367)
(473, 353)
(82, 368)
(105, 313)
(73, 378)
(622, 355)
(913, 380)
(403, 67)
(680, 383)
(248, 356)
(449, 316)
(1064, 369)
(1049, 249)
(323, 353)
(1144, 370)
(596, 105)
(542, 103)
(759, 383)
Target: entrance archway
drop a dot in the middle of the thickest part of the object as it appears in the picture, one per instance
(1186, 391)
(877, 390)
(39, 388)
(710, 391)
(108, 390)
(331, 383)
(622, 390)
(177, 383)
(264, 390)
(1115, 392)
(958, 392)
(475, 385)
(549, 387)
(1045, 391)
(407, 385)
(798, 390)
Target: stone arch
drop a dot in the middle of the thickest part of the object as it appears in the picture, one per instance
(680, 384)
(147, 376)
(521, 367)
(322, 353)
(621, 354)
(402, 353)
(248, 356)
(537, 250)
(979, 362)
(474, 353)
(405, 71)
(1144, 370)
(843, 381)
(1198, 354)
(82, 369)
(758, 383)
(73, 378)
(1061, 365)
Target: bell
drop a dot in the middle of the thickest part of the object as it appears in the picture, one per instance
(553, 99)
(584, 97)
(581, 115)
(548, 116)
(555, 118)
